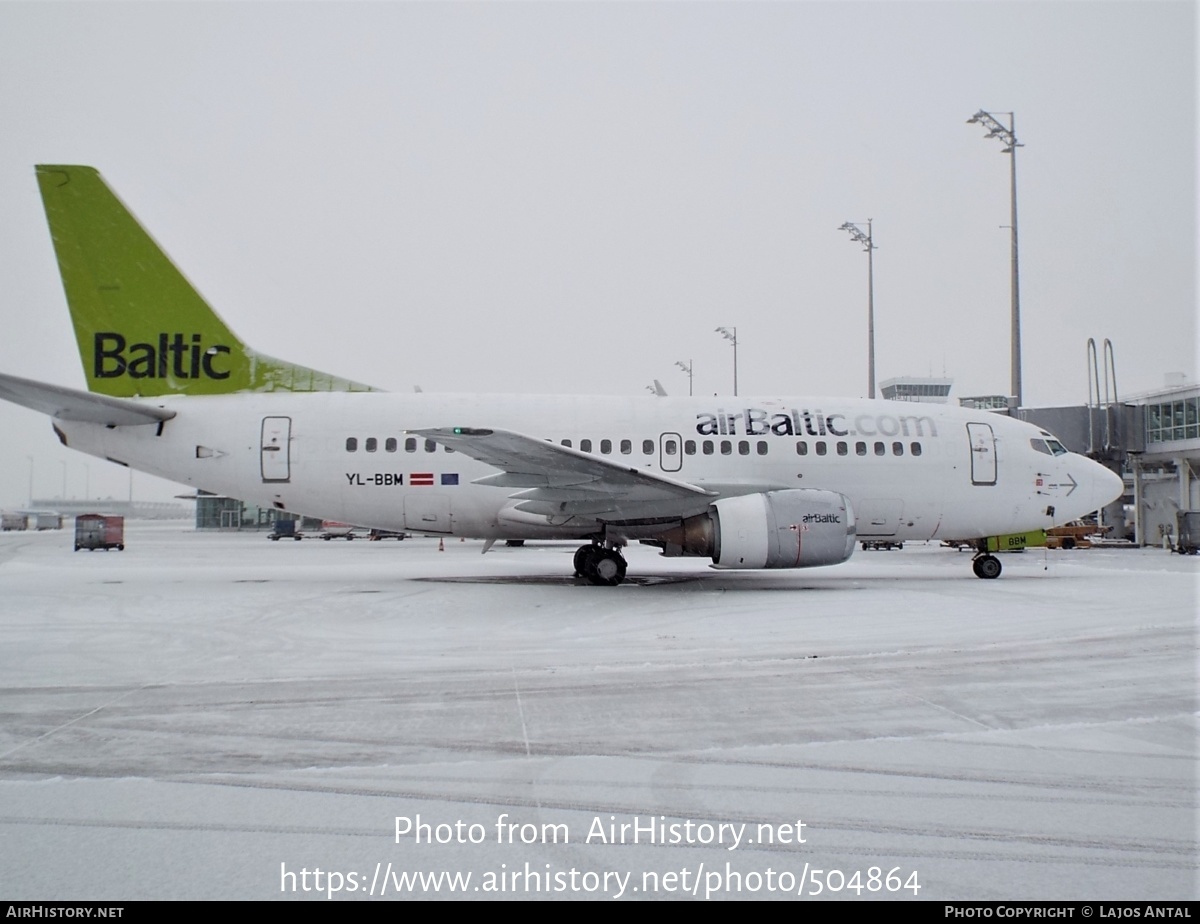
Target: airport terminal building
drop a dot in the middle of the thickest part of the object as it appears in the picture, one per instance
(1163, 473)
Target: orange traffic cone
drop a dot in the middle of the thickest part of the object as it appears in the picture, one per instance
(441, 545)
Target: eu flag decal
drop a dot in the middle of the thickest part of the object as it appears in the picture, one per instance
(449, 478)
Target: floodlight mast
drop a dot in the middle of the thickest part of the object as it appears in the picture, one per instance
(1008, 138)
(857, 234)
(686, 367)
(730, 334)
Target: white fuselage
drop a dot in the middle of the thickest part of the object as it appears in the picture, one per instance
(911, 471)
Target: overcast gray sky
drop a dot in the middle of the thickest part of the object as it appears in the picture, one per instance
(569, 197)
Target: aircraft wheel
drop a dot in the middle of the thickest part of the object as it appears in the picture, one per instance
(583, 558)
(606, 568)
(987, 567)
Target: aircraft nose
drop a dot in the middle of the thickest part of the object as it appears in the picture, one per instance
(1106, 486)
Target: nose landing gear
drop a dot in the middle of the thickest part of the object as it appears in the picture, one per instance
(600, 565)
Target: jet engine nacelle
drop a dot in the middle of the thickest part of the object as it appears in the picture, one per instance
(783, 529)
(802, 528)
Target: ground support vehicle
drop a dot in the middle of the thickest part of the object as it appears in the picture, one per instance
(331, 529)
(99, 531)
(285, 529)
(1076, 535)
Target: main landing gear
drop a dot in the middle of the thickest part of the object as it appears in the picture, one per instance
(601, 565)
(986, 566)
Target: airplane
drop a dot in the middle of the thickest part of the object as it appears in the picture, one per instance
(750, 483)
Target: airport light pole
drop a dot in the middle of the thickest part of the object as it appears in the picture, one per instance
(30, 458)
(856, 233)
(730, 334)
(1008, 137)
(686, 367)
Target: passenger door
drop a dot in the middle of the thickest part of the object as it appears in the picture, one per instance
(983, 453)
(276, 450)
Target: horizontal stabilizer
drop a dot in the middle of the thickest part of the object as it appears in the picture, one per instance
(68, 404)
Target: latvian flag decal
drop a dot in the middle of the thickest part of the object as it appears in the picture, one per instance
(417, 479)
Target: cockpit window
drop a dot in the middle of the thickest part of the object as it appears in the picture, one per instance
(1049, 445)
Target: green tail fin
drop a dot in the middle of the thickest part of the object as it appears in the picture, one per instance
(141, 327)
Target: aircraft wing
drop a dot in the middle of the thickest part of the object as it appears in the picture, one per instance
(557, 480)
(69, 404)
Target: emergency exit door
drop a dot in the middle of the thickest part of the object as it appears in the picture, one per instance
(670, 452)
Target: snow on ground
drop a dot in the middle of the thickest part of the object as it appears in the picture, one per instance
(211, 715)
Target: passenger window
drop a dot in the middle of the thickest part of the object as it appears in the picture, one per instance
(647, 447)
(897, 449)
(801, 448)
(880, 449)
(707, 447)
(860, 448)
(351, 444)
(567, 443)
(821, 447)
(430, 446)
(670, 447)
(606, 447)
(726, 448)
(689, 447)
(842, 449)
(626, 447)
(371, 444)
(390, 445)
(915, 448)
(743, 447)
(762, 447)
(410, 444)
(585, 445)
(447, 449)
